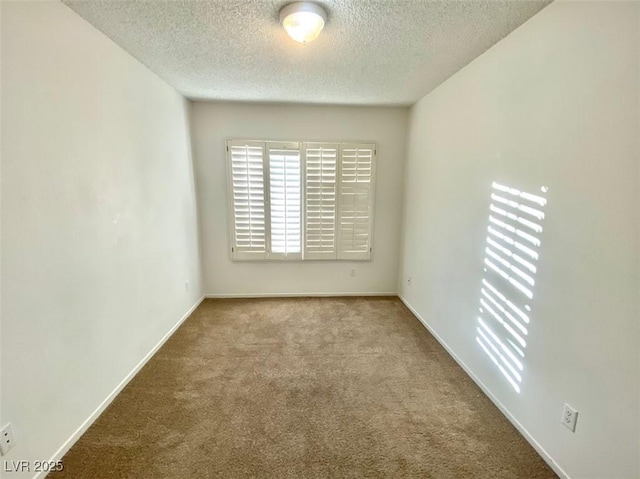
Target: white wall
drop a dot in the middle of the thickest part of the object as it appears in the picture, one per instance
(98, 221)
(214, 122)
(556, 103)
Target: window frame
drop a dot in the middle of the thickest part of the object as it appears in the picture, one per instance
(237, 255)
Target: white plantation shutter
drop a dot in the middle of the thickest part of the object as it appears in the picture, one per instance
(294, 201)
(355, 218)
(321, 161)
(285, 205)
(246, 159)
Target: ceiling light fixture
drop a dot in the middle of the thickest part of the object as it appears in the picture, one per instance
(303, 21)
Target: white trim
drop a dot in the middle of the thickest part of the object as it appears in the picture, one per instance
(94, 415)
(530, 439)
(295, 295)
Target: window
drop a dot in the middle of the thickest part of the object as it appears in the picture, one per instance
(301, 201)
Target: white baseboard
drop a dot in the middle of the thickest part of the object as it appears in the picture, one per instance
(530, 439)
(94, 415)
(294, 295)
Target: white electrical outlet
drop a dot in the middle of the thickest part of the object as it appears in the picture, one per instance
(186, 286)
(569, 417)
(7, 439)
(353, 272)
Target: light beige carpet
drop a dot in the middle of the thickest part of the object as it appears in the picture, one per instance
(295, 388)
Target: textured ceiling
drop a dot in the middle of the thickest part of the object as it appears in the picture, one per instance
(371, 52)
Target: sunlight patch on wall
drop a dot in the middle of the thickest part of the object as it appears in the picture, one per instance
(510, 266)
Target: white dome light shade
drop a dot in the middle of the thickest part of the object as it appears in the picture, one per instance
(303, 21)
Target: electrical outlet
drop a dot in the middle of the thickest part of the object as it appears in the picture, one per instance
(7, 439)
(409, 280)
(569, 417)
(353, 272)
(186, 286)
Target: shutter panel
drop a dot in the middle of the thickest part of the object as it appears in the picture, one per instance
(246, 160)
(285, 196)
(321, 161)
(355, 219)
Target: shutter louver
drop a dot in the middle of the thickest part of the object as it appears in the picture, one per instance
(285, 200)
(321, 161)
(248, 193)
(356, 201)
(294, 201)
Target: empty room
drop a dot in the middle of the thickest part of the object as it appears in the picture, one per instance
(338, 238)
